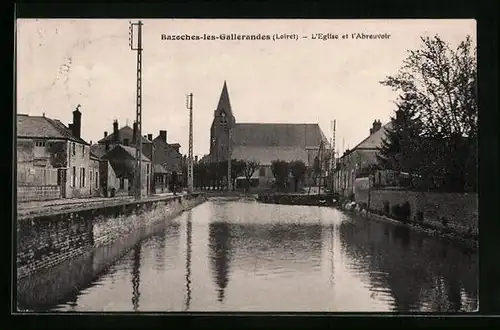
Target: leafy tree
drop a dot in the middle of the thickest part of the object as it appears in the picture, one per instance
(401, 148)
(280, 169)
(298, 170)
(249, 168)
(440, 84)
(237, 169)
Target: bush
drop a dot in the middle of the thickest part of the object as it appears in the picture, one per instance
(396, 212)
(405, 211)
(387, 208)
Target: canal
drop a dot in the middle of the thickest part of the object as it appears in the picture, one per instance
(247, 256)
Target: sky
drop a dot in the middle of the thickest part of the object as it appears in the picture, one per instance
(65, 62)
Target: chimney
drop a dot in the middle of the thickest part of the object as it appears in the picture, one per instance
(105, 134)
(150, 137)
(77, 122)
(134, 136)
(375, 126)
(163, 135)
(106, 143)
(116, 132)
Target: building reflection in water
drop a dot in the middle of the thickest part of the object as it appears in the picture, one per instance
(400, 260)
(189, 232)
(220, 255)
(159, 239)
(136, 265)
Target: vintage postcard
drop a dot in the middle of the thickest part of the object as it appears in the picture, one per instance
(169, 165)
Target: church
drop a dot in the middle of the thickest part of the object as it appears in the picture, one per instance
(261, 142)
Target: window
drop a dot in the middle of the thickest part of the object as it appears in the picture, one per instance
(73, 177)
(97, 179)
(90, 173)
(74, 148)
(83, 151)
(122, 183)
(262, 171)
(82, 177)
(40, 143)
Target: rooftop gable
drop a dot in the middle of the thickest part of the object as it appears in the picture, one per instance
(126, 132)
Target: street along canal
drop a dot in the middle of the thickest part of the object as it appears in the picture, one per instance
(247, 256)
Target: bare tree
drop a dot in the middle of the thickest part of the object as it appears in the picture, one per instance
(249, 168)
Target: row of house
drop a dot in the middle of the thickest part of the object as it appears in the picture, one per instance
(53, 161)
(354, 162)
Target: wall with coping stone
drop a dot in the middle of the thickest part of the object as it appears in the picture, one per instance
(44, 242)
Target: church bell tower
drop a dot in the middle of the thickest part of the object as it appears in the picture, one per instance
(222, 122)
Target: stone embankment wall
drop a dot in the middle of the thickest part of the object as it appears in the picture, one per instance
(46, 241)
(459, 210)
(38, 193)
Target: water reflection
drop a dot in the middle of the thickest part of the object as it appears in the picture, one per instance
(220, 255)
(136, 276)
(282, 258)
(411, 266)
(189, 233)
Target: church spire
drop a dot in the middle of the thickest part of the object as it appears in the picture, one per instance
(224, 103)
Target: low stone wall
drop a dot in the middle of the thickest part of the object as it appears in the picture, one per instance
(43, 242)
(460, 210)
(37, 193)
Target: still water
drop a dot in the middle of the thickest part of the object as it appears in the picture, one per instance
(247, 256)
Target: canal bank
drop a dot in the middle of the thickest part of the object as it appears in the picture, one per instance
(51, 237)
(240, 255)
(442, 229)
(434, 228)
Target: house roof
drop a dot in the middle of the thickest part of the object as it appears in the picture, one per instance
(43, 127)
(128, 150)
(278, 135)
(157, 168)
(126, 132)
(265, 155)
(98, 150)
(373, 141)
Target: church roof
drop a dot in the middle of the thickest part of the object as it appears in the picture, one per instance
(265, 155)
(278, 135)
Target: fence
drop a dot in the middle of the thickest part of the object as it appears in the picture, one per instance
(36, 176)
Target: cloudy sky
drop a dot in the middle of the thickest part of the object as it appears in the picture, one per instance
(62, 63)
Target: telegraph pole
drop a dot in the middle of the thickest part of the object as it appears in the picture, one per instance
(189, 106)
(229, 156)
(332, 155)
(138, 113)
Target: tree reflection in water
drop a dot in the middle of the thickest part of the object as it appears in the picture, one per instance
(412, 260)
